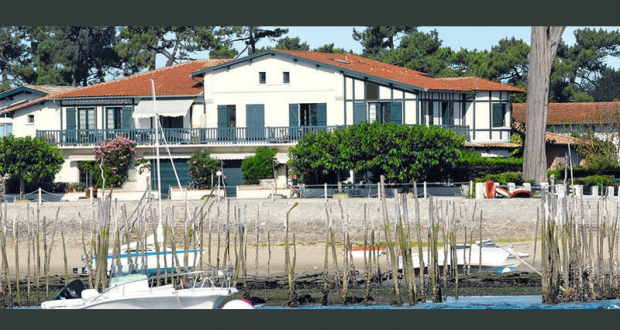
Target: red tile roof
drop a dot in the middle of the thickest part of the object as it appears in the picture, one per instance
(562, 139)
(169, 81)
(400, 74)
(49, 89)
(573, 113)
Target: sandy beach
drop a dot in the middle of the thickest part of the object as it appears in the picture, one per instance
(310, 258)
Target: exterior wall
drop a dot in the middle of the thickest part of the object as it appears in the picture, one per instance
(46, 117)
(240, 86)
(479, 117)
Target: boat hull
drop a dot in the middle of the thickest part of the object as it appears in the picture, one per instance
(149, 260)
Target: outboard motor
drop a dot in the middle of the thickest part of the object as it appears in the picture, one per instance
(73, 290)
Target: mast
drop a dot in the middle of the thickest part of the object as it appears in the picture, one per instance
(159, 225)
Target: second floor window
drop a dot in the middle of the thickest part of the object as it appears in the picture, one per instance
(286, 77)
(30, 119)
(499, 114)
(86, 118)
(113, 118)
(262, 77)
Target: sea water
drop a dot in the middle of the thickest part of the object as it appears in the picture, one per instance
(474, 302)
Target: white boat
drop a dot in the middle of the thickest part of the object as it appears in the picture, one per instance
(145, 260)
(358, 252)
(494, 258)
(201, 290)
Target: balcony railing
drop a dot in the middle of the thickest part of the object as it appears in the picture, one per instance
(223, 136)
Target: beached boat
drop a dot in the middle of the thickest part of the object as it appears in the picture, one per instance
(359, 251)
(197, 290)
(485, 255)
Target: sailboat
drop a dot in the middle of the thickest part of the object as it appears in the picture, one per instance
(131, 286)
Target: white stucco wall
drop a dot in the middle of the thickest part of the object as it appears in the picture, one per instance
(240, 86)
(46, 117)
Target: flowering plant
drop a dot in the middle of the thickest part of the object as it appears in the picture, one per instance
(117, 155)
(202, 167)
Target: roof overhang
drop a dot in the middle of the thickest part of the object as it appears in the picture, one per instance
(168, 108)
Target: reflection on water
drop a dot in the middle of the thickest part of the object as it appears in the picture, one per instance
(485, 302)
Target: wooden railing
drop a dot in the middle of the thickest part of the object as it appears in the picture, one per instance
(228, 135)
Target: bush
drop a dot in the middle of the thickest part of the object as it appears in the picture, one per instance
(471, 166)
(202, 168)
(117, 155)
(401, 153)
(595, 180)
(260, 166)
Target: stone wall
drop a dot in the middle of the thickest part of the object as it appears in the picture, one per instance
(502, 219)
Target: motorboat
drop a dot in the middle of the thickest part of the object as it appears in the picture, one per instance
(193, 290)
(485, 255)
(147, 259)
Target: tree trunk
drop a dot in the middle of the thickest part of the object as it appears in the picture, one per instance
(544, 45)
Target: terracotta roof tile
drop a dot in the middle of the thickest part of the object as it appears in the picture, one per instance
(169, 81)
(479, 84)
(574, 112)
(400, 74)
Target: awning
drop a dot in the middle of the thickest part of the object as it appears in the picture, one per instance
(168, 108)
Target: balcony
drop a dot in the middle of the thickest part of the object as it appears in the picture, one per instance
(185, 136)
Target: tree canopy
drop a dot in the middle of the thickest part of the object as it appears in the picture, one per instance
(401, 153)
(260, 166)
(29, 159)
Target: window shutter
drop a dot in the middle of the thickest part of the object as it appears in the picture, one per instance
(293, 115)
(222, 116)
(498, 115)
(321, 114)
(71, 125)
(360, 114)
(126, 121)
(396, 113)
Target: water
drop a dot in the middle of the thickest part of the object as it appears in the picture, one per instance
(476, 302)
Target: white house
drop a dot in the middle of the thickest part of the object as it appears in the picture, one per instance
(271, 98)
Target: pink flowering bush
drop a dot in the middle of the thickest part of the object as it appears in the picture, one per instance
(117, 155)
(201, 166)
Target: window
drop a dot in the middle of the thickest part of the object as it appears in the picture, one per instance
(499, 114)
(262, 77)
(379, 111)
(308, 115)
(6, 129)
(372, 91)
(113, 118)
(30, 119)
(447, 113)
(286, 77)
(85, 178)
(86, 118)
(427, 113)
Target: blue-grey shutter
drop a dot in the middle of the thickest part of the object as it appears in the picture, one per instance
(498, 115)
(222, 122)
(321, 114)
(360, 113)
(293, 121)
(126, 121)
(255, 121)
(71, 126)
(222, 116)
(396, 113)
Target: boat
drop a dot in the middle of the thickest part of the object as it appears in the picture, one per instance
(193, 290)
(494, 258)
(146, 261)
(359, 251)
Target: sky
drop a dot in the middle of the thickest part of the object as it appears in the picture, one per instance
(456, 37)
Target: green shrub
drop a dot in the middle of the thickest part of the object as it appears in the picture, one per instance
(260, 166)
(595, 180)
(471, 166)
(117, 154)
